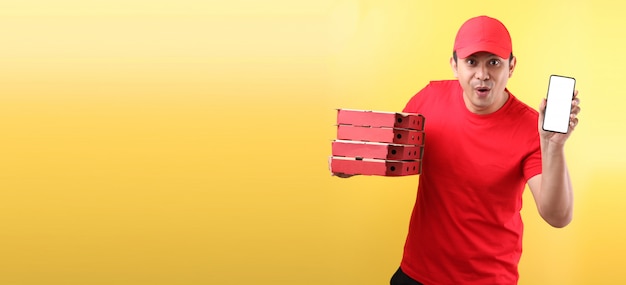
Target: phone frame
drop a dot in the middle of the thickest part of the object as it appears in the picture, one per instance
(546, 111)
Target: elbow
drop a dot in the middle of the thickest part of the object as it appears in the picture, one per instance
(557, 217)
(560, 223)
(558, 220)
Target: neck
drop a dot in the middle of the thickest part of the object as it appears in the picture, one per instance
(488, 107)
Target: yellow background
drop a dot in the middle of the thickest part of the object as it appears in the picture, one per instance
(186, 142)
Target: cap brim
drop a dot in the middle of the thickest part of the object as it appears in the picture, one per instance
(469, 50)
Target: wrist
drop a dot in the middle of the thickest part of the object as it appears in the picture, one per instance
(551, 147)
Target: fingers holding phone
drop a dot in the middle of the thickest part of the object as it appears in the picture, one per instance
(575, 110)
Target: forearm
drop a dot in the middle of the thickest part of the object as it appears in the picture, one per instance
(556, 201)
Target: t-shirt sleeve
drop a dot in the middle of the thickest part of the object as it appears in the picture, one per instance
(532, 162)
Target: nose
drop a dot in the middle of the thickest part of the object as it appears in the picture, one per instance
(482, 73)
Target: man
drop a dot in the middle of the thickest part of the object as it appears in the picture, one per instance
(482, 146)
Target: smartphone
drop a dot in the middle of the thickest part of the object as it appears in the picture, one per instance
(559, 105)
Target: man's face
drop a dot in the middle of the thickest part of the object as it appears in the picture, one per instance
(483, 77)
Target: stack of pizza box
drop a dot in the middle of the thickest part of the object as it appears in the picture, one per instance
(378, 143)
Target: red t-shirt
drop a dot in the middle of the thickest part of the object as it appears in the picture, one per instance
(466, 226)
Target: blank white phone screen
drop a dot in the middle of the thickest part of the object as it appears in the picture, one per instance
(559, 105)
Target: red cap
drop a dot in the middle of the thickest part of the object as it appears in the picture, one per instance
(483, 33)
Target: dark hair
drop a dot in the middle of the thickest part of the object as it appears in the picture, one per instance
(455, 57)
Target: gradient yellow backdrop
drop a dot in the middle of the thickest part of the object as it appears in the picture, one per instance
(186, 142)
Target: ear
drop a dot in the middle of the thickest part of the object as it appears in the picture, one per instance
(454, 67)
(512, 66)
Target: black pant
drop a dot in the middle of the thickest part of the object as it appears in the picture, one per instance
(399, 278)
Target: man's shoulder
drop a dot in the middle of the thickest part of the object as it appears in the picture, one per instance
(522, 107)
(444, 84)
(435, 93)
(441, 88)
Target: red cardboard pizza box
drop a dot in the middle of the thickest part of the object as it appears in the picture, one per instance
(384, 135)
(380, 119)
(379, 167)
(386, 151)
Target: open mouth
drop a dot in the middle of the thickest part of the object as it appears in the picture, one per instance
(482, 90)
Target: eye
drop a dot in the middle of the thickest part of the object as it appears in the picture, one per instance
(470, 61)
(494, 62)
